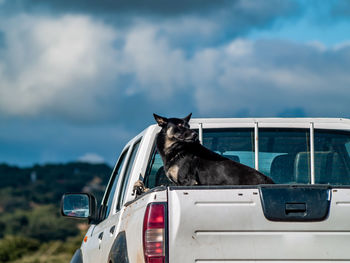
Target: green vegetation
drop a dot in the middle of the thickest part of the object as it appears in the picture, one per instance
(31, 227)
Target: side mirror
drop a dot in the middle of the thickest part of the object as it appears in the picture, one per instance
(79, 205)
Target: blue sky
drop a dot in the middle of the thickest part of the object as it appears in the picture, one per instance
(78, 79)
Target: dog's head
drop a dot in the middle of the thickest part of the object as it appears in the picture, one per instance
(176, 130)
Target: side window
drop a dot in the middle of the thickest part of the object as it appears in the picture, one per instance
(347, 147)
(332, 157)
(235, 144)
(113, 184)
(126, 177)
(284, 155)
(155, 172)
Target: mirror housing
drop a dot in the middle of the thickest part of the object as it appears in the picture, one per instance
(79, 206)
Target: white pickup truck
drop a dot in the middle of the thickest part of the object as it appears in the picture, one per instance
(304, 217)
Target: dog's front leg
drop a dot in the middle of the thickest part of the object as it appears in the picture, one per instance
(187, 176)
(193, 182)
(187, 180)
(139, 188)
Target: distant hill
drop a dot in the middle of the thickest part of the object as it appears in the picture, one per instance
(45, 184)
(15, 176)
(30, 197)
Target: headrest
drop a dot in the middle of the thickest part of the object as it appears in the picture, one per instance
(323, 160)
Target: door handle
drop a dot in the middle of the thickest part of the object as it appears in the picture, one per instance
(295, 208)
(111, 230)
(100, 236)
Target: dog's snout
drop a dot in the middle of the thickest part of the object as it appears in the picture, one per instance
(194, 136)
(191, 136)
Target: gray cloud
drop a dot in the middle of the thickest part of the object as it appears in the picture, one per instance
(151, 7)
(188, 23)
(340, 8)
(158, 7)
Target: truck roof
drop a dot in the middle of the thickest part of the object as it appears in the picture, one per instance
(321, 123)
(212, 123)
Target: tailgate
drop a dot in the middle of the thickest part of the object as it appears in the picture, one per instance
(231, 225)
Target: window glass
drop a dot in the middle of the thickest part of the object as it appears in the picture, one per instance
(347, 146)
(332, 157)
(155, 172)
(126, 177)
(284, 155)
(235, 144)
(113, 183)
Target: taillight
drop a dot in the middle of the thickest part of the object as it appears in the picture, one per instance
(154, 227)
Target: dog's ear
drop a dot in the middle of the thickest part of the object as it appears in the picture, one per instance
(187, 119)
(162, 121)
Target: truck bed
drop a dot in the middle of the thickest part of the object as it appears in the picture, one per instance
(228, 224)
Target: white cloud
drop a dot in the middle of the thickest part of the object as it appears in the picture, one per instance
(342, 45)
(54, 64)
(70, 66)
(239, 48)
(77, 67)
(318, 45)
(158, 68)
(271, 77)
(91, 158)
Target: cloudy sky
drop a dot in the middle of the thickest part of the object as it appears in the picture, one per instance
(79, 78)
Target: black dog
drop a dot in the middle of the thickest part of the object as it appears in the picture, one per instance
(187, 162)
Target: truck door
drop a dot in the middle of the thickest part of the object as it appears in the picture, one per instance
(92, 249)
(110, 228)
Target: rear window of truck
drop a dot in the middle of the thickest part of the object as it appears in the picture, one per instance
(284, 154)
